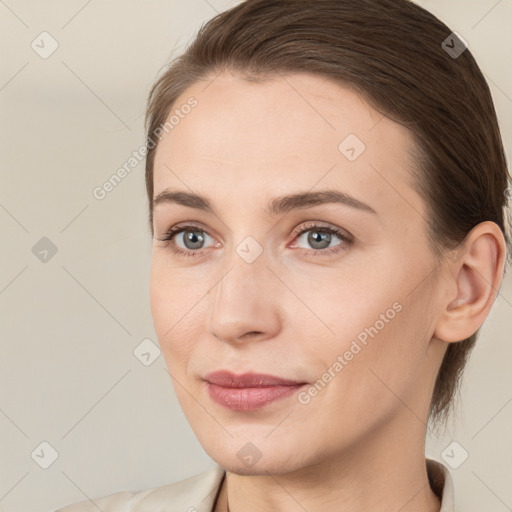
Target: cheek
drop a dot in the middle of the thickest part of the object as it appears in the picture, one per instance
(175, 302)
(367, 316)
(385, 357)
(343, 301)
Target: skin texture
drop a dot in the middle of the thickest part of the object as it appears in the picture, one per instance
(359, 444)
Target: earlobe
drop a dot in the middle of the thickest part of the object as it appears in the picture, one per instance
(476, 276)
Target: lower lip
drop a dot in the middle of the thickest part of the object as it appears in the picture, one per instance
(248, 399)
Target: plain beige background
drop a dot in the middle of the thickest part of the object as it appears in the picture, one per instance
(70, 324)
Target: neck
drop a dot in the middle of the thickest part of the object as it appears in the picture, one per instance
(383, 472)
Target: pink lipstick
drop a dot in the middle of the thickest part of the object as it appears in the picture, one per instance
(248, 391)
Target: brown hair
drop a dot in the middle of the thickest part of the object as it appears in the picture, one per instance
(391, 52)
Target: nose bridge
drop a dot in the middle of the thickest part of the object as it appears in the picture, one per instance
(244, 300)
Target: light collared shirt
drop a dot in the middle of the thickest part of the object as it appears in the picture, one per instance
(198, 494)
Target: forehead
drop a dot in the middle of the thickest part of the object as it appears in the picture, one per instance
(288, 133)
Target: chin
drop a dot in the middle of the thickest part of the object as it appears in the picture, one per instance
(259, 469)
(274, 463)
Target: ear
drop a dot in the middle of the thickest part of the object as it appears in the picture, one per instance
(475, 274)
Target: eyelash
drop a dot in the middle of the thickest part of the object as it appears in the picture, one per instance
(346, 241)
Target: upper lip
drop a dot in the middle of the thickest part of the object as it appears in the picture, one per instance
(247, 380)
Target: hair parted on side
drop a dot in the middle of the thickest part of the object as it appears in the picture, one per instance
(390, 52)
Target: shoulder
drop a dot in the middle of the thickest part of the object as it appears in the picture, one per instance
(194, 494)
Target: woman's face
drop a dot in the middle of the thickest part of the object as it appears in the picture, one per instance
(263, 285)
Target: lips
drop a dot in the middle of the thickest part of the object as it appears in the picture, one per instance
(248, 380)
(249, 391)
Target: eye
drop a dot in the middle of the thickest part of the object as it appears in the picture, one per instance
(320, 238)
(193, 239)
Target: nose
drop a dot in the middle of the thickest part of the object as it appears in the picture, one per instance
(245, 303)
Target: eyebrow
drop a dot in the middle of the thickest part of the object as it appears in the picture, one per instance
(276, 206)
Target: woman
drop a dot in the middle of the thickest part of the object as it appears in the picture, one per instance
(327, 186)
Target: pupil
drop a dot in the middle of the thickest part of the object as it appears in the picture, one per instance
(194, 239)
(322, 238)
